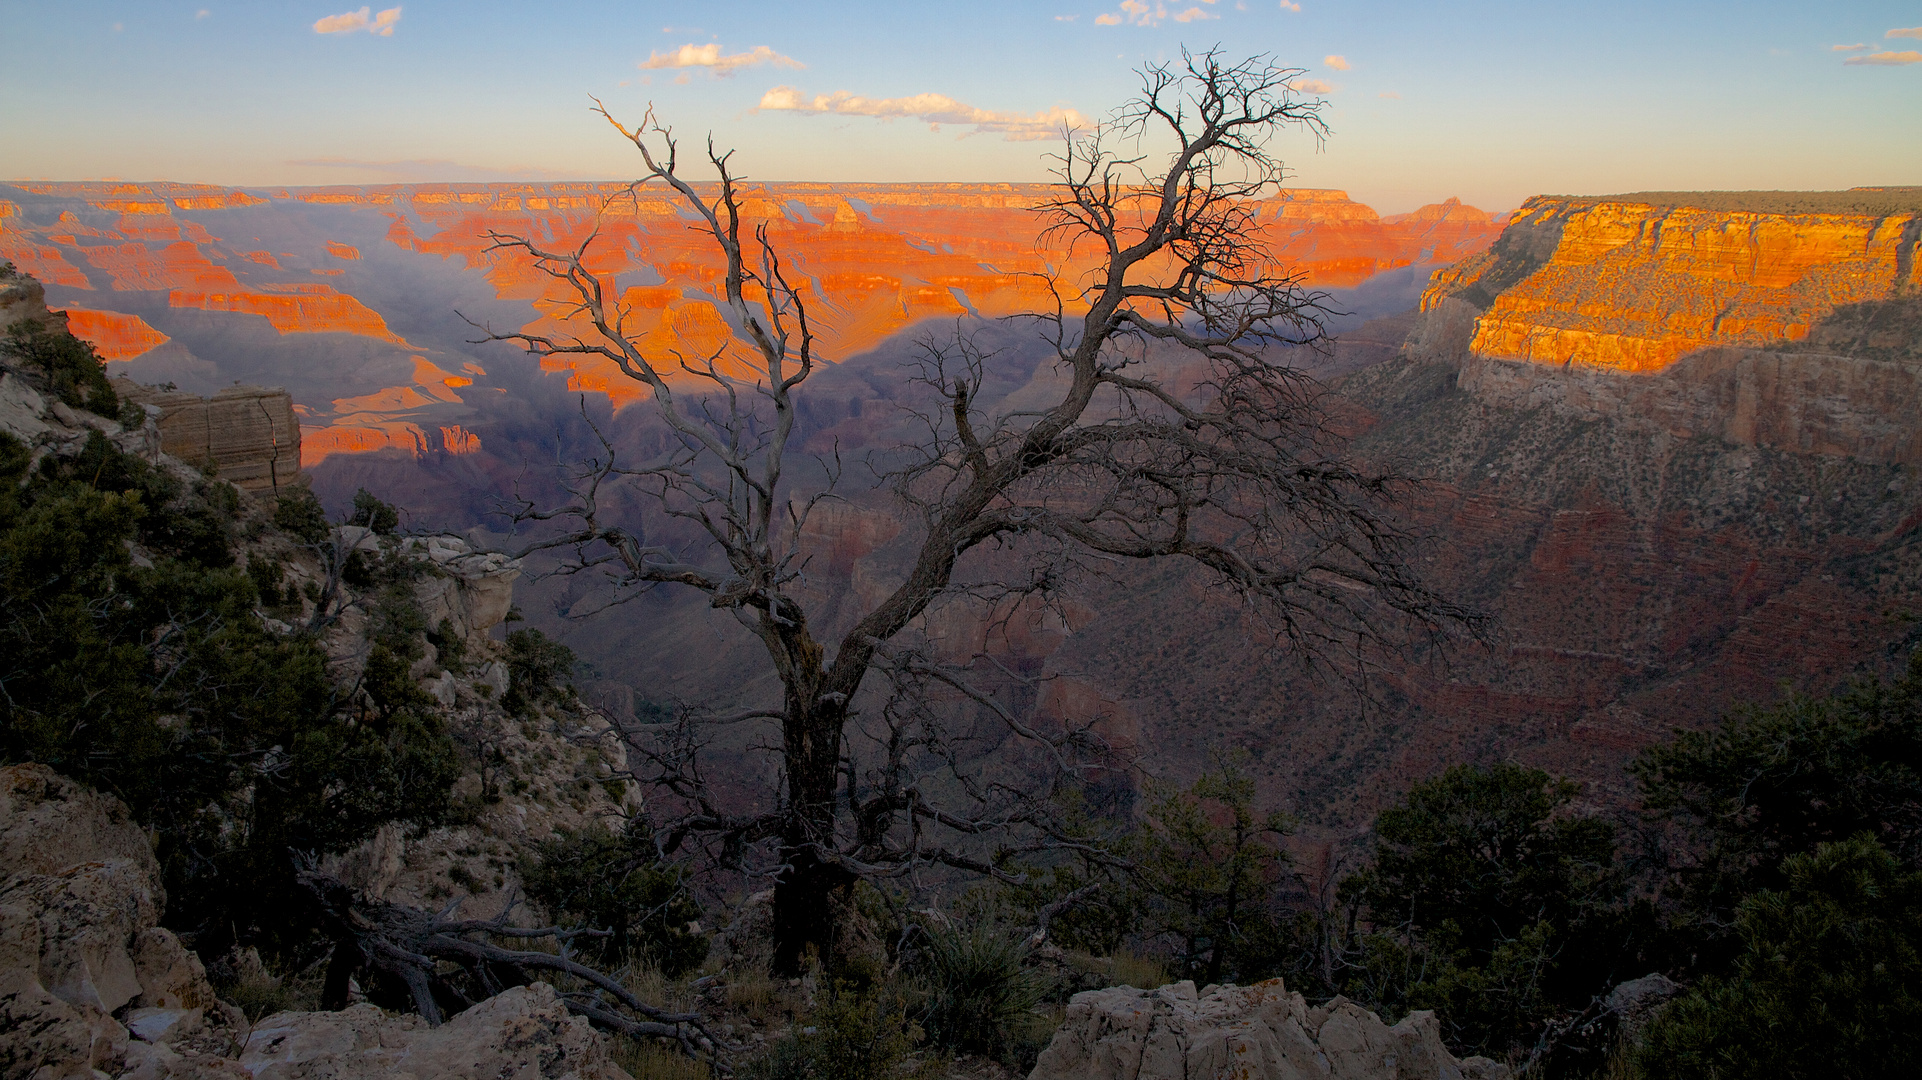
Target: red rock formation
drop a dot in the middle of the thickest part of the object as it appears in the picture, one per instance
(871, 260)
(114, 335)
(176, 266)
(293, 309)
(1634, 287)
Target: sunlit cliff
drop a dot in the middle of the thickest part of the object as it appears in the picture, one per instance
(143, 260)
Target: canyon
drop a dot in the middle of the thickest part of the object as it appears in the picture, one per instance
(1665, 441)
(348, 296)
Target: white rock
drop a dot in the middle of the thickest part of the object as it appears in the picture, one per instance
(21, 408)
(1259, 1032)
(525, 1033)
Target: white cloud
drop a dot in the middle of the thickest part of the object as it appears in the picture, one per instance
(1390, 95)
(1886, 59)
(932, 109)
(348, 22)
(1339, 63)
(202, 13)
(1143, 13)
(1310, 86)
(1905, 31)
(709, 56)
(1066, 18)
(1290, 5)
(1857, 47)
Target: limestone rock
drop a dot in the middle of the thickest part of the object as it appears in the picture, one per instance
(48, 823)
(1259, 1032)
(250, 433)
(476, 591)
(524, 1033)
(1789, 330)
(80, 943)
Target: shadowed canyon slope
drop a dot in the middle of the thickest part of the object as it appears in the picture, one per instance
(1668, 441)
(1654, 543)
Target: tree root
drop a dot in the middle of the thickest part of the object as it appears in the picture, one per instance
(433, 955)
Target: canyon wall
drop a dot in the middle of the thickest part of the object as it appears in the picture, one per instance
(1670, 447)
(1785, 329)
(1667, 443)
(356, 299)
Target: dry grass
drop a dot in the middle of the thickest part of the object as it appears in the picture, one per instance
(756, 995)
(651, 1060)
(1141, 972)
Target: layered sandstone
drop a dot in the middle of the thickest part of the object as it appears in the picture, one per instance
(115, 335)
(248, 433)
(1789, 328)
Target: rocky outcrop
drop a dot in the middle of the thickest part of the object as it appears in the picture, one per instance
(91, 985)
(115, 335)
(1784, 328)
(525, 1033)
(1628, 286)
(474, 590)
(249, 433)
(89, 980)
(1259, 1032)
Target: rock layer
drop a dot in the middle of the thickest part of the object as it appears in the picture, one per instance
(1634, 287)
(229, 283)
(248, 433)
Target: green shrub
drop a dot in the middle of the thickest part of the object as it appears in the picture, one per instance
(613, 881)
(371, 513)
(855, 1035)
(1772, 782)
(539, 671)
(1828, 983)
(1492, 904)
(1210, 865)
(73, 370)
(980, 995)
(160, 684)
(298, 513)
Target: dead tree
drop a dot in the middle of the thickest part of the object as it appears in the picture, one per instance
(444, 961)
(1231, 471)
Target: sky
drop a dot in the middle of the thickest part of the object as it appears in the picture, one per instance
(1489, 102)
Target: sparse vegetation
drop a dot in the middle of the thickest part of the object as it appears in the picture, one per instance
(619, 882)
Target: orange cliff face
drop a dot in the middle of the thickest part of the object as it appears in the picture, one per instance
(114, 335)
(869, 259)
(297, 308)
(1634, 287)
(1700, 314)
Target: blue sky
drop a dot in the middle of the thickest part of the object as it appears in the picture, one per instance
(1488, 101)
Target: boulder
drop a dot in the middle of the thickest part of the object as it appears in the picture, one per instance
(525, 1033)
(89, 980)
(1259, 1032)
